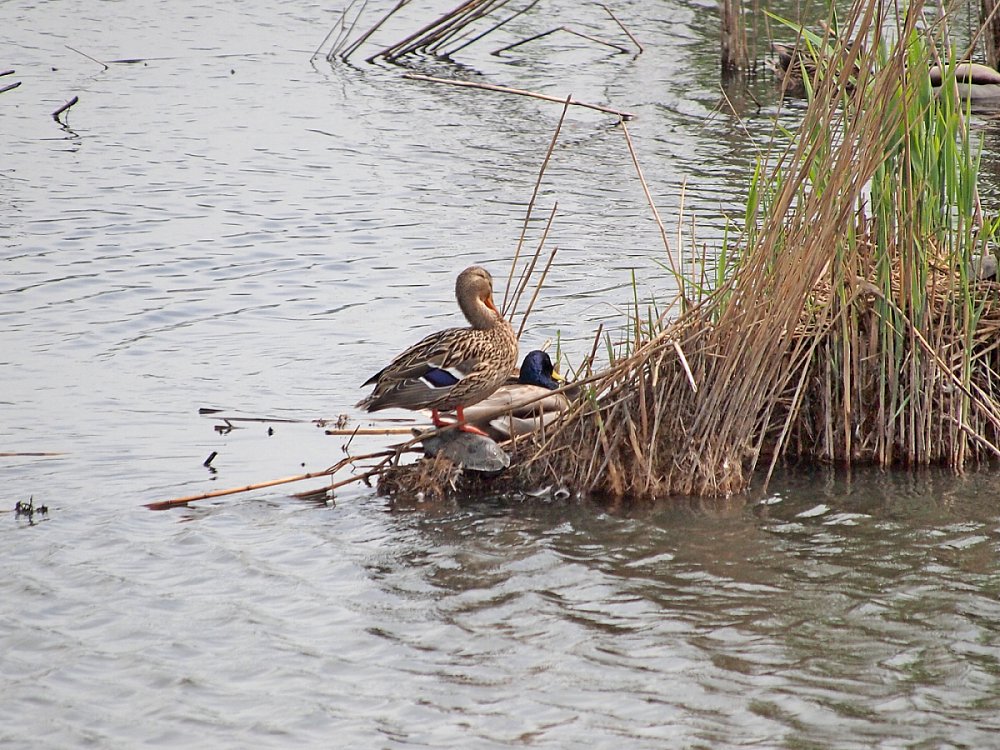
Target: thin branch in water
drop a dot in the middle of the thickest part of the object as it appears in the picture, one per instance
(11, 86)
(519, 92)
(568, 30)
(346, 35)
(30, 454)
(364, 37)
(493, 28)
(370, 431)
(63, 108)
(459, 28)
(166, 504)
(344, 31)
(393, 51)
(622, 27)
(99, 62)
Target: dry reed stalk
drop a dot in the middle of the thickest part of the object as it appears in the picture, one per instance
(531, 202)
(64, 107)
(353, 47)
(733, 37)
(538, 286)
(181, 501)
(519, 92)
(770, 360)
(623, 28)
(493, 28)
(439, 29)
(568, 30)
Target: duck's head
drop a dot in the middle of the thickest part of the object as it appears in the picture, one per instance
(537, 369)
(474, 290)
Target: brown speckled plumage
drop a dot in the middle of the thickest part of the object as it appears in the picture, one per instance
(478, 358)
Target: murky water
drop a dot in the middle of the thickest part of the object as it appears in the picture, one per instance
(223, 223)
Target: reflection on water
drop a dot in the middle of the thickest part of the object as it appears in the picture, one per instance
(225, 224)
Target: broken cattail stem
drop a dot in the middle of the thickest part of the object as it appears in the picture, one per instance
(370, 431)
(73, 49)
(531, 266)
(568, 30)
(622, 27)
(520, 92)
(392, 51)
(460, 26)
(531, 202)
(493, 28)
(63, 108)
(364, 37)
(649, 199)
(538, 288)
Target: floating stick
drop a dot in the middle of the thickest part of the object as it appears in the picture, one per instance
(568, 30)
(10, 86)
(520, 92)
(370, 431)
(167, 504)
(31, 454)
(63, 108)
(493, 28)
(105, 65)
(622, 27)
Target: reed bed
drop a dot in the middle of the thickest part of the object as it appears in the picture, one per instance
(846, 324)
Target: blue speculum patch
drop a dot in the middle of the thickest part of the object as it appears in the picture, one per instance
(440, 378)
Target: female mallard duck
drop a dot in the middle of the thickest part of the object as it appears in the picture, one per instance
(524, 404)
(454, 368)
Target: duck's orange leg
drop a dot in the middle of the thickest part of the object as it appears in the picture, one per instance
(467, 427)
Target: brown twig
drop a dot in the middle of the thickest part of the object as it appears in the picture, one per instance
(104, 64)
(364, 37)
(493, 28)
(622, 27)
(370, 431)
(523, 284)
(519, 92)
(29, 454)
(384, 454)
(652, 204)
(568, 30)
(531, 203)
(538, 288)
(63, 108)
(400, 47)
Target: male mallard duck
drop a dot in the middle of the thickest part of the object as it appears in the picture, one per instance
(980, 83)
(524, 404)
(454, 368)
